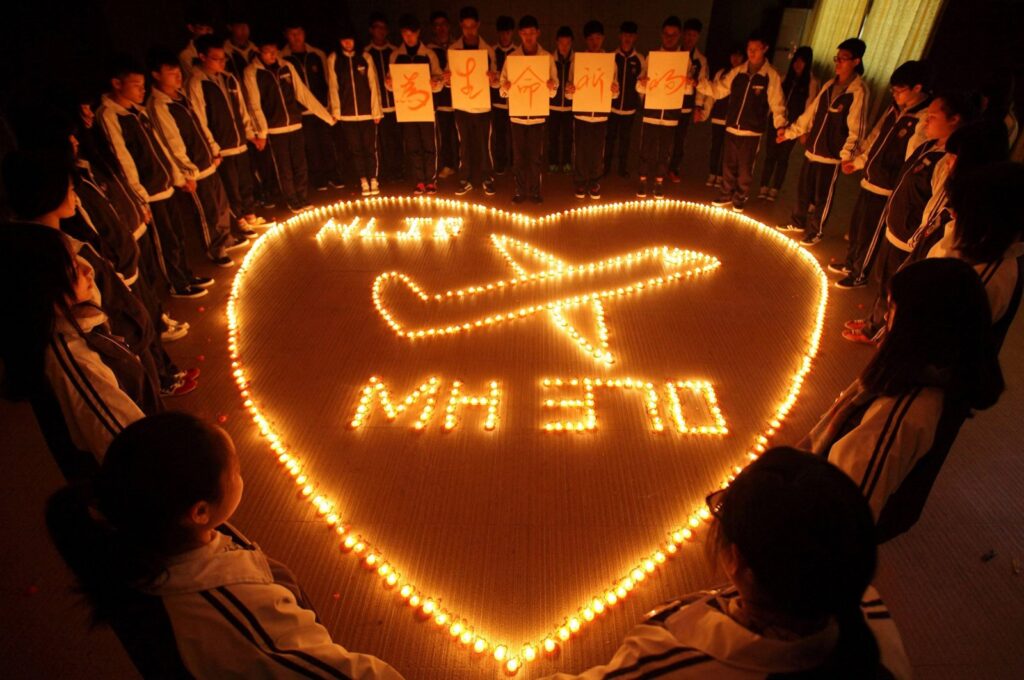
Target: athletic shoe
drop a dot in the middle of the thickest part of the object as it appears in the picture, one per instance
(236, 242)
(190, 293)
(174, 333)
(567, 168)
(839, 268)
(810, 240)
(855, 324)
(294, 208)
(552, 168)
(674, 177)
(723, 200)
(364, 187)
(187, 374)
(420, 189)
(659, 189)
(431, 189)
(488, 187)
(789, 227)
(445, 172)
(224, 260)
(738, 204)
(772, 194)
(254, 220)
(641, 190)
(245, 232)
(178, 389)
(336, 184)
(710, 181)
(322, 187)
(858, 336)
(580, 191)
(202, 281)
(718, 182)
(595, 191)
(518, 198)
(763, 193)
(171, 323)
(463, 188)
(500, 172)
(374, 187)
(537, 198)
(851, 282)
(269, 205)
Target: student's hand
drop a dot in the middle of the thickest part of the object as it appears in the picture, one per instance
(570, 89)
(643, 80)
(552, 85)
(217, 160)
(447, 76)
(780, 135)
(376, 121)
(387, 82)
(848, 168)
(260, 143)
(698, 115)
(189, 186)
(803, 139)
(492, 76)
(615, 88)
(147, 214)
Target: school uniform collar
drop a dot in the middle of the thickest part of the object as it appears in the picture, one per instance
(221, 562)
(507, 50)
(161, 96)
(539, 53)
(460, 44)
(618, 50)
(380, 48)
(109, 100)
(245, 50)
(705, 626)
(765, 68)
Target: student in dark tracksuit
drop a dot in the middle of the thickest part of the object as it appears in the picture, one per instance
(147, 166)
(420, 140)
(192, 150)
(501, 132)
(629, 64)
(834, 124)
(717, 115)
(276, 98)
(474, 127)
(560, 116)
(694, 107)
(528, 132)
(800, 88)
(389, 138)
(896, 135)
(355, 103)
(217, 98)
(241, 52)
(658, 125)
(448, 138)
(311, 65)
(589, 127)
(755, 93)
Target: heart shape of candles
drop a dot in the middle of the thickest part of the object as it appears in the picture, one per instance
(479, 405)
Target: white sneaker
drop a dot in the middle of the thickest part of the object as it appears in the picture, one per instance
(255, 221)
(365, 186)
(374, 186)
(174, 333)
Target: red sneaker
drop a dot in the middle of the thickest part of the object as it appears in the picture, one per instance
(674, 178)
(858, 336)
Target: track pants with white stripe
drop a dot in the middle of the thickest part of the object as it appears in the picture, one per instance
(420, 140)
(867, 231)
(212, 215)
(620, 128)
(474, 147)
(170, 241)
(814, 196)
(361, 139)
(289, 154)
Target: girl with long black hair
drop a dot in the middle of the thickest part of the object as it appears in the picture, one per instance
(799, 87)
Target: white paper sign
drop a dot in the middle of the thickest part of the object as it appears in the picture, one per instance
(414, 101)
(593, 74)
(528, 93)
(666, 73)
(471, 88)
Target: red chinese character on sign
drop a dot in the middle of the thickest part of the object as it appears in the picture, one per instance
(672, 82)
(593, 79)
(468, 88)
(529, 82)
(415, 97)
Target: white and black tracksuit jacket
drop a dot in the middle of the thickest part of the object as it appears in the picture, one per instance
(277, 96)
(504, 84)
(753, 97)
(184, 135)
(893, 139)
(920, 188)
(834, 122)
(381, 58)
(220, 104)
(628, 68)
(353, 83)
(144, 159)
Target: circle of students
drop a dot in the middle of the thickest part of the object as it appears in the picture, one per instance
(100, 197)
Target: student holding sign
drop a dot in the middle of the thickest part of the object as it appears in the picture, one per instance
(355, 102)
(470, 76)
(522, 83)
(754, 90)
(592, 84)
(662, 83)
(414, 104)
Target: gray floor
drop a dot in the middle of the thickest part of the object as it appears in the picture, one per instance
(961, 616)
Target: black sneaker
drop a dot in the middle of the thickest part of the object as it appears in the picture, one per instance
(839, 268)
(789, 227)
(580, 191)
(659, 189)
(811, 239)
(463, 188)
(851, 282)
(595, 191)
(336, 184)
(246, 232)
(223, 260)
(723, 201)
(269, 205)
(322, 187)
(295, 208)
(537, 198)
(191, 292)
(488, 188)
(236, 242)
(201, 281)
(641, 190)
(518, 198)
(738, 204)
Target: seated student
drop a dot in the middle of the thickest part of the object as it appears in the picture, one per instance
(84, 384)
(796, 540)
(188, 595)
(936, 362)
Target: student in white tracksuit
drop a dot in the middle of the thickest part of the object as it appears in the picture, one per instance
(800, 600)
(149, 543)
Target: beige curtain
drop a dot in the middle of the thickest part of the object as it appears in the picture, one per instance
(832, 22)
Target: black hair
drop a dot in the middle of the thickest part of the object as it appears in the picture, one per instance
(996, 89)
(965, 105)
(977, 144)
(528, 21)
(118, 531)
(197, 14)
(672, 21)
(120, 66)
(591, 27)
(205, 43)
(505, 23)
(564, 32)
(758, 36)
(159, 57)
(986, 223)
(262, 37)
(438, 14)
(408, 22)
(469, 12)
(806, 533)
(857, 48)
(693, 24)
(346, 31)
(39, 271)
(806, 54)
(37, 180)
(377, 16)
(628, 27)
(941, 336)
(292, 22)
(911, 73)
